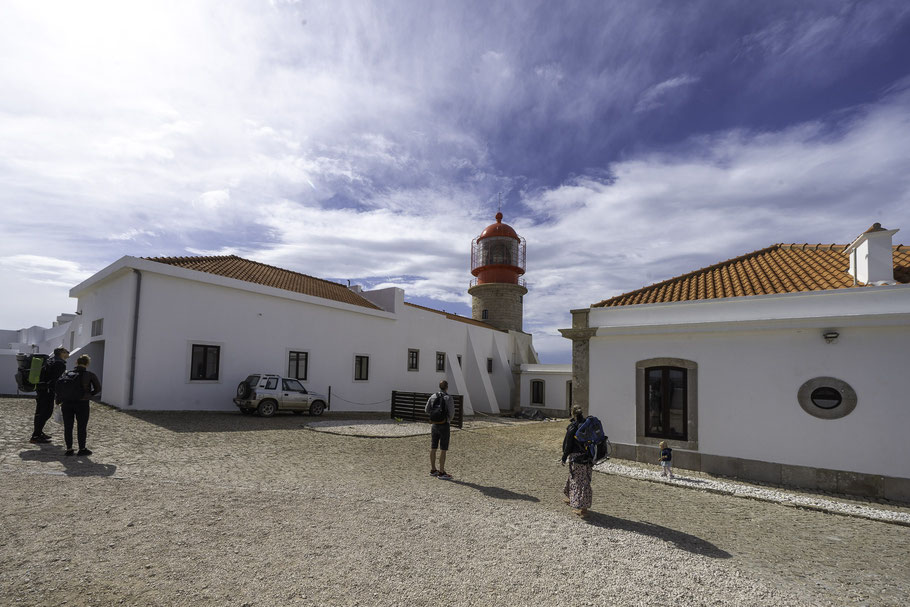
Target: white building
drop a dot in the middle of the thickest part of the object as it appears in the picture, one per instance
(181, 333)
(783, 365)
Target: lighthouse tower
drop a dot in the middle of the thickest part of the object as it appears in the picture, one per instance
(497, 263)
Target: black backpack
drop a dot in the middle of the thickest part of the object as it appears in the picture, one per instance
(438, 411)
(71, 386)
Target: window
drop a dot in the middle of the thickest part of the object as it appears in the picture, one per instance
(440, 362)
(204, 362)
(827, 397)
(489, 365)
(538, 388)
(361, 368)
(271, 383)
(292, 385)
(665, 402)
(97, 327)
(413, 360)
(297, 364)
(459, 360)
(484, 315)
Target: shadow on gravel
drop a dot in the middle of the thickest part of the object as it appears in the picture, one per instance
(73, 465)
(218, 421)
(681, 540)
(497, 492)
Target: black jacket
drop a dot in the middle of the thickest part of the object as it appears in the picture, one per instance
(572, 450)
(53, 368)
(90, 383)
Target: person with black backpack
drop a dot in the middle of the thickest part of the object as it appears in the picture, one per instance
(74, 388)
(441, 410)
(578, 486)
(53, 368)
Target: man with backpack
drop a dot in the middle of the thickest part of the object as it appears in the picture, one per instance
(441, 410)
(53, 368)
(73, 389)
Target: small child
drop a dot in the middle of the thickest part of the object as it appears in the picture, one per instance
(666, 459)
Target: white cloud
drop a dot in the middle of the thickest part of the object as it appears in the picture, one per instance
(663, 93)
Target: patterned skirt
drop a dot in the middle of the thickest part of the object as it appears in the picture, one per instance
(578, 485)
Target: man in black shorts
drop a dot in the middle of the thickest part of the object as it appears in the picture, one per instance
(440, 432)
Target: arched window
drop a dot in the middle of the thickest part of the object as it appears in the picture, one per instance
(538, 390)
(666, 402)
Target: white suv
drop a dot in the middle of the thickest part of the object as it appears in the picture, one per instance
(267, 394)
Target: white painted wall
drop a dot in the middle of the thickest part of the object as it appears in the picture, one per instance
(256, 327)
(749, 374)
(555, 378)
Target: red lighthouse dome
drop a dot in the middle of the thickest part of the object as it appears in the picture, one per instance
(498, 254)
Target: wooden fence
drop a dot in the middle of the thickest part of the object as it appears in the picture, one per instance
(409, 406)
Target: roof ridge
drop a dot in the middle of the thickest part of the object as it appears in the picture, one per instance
(451, 314)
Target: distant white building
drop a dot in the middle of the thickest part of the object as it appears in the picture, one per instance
(784, 365)
(182, 332)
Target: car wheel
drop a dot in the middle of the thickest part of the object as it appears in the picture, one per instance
(267, 408)
(243, 390)
(317, 407)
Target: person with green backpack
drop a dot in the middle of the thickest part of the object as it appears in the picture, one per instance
(52, 368)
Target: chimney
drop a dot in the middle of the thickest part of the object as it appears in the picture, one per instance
(872, 257)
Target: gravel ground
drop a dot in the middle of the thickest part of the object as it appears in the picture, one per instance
(224, 509)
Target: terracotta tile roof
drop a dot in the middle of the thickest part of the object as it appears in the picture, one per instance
(464, 319)
(780, 268)
(231, 266)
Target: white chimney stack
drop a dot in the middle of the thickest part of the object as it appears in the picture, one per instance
(872, 257)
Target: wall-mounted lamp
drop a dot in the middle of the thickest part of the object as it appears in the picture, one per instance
(830, 336)
(78, 312)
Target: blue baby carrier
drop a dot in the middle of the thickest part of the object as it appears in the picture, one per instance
(590, 435)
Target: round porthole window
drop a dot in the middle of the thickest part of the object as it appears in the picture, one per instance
(827, 397)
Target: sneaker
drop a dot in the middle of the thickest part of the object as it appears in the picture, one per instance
(39, 440)
(84, 452)
(47, 436)
(434, 472)
(444, 476)
(69, 452)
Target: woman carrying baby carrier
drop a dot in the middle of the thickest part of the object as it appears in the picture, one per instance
(578, 485)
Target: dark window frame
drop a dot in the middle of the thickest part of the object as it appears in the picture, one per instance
(205, 351)
(361, 367)
(538, 392)
(484, 315)
(665, 398)
(489, 365)
(97, 327)
(440, 362)
(294, 360)
(413, 359)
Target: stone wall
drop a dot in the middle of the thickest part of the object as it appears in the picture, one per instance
(503, 303)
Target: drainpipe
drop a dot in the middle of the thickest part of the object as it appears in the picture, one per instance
(129, 401)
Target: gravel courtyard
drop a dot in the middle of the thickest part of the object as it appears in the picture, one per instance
(223, 509)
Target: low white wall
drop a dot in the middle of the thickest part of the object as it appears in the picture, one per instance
(747, 393)
(554, 385)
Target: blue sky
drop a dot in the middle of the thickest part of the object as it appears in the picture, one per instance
(631, 141)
